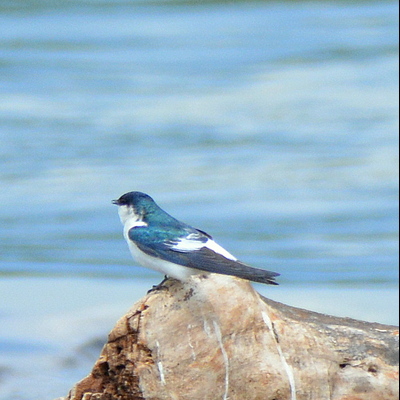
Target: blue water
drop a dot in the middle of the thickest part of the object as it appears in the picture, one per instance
(271, 125)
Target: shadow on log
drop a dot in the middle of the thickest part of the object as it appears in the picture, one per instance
(216, 338)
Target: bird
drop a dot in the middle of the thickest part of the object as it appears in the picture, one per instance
(160, 242)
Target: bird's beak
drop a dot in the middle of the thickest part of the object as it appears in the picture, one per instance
(116, 202)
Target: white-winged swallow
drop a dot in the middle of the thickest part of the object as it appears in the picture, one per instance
(162, 243)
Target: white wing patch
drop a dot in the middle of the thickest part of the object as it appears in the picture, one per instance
(192, 243)
(189, 243)
(218, 249)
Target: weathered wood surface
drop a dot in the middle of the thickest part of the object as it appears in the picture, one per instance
(216, 338)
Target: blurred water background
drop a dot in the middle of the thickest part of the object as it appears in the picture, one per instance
(271, 125)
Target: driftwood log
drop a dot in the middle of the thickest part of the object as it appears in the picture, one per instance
(216, 338)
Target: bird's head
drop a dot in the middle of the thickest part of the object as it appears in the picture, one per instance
(136, 205)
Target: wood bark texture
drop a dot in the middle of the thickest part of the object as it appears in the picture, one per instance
(214, 337)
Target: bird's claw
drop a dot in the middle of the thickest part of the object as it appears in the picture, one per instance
(160, 286)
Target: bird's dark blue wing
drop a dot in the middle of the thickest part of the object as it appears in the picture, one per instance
(157, 243)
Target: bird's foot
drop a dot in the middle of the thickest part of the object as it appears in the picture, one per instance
(160, 286)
